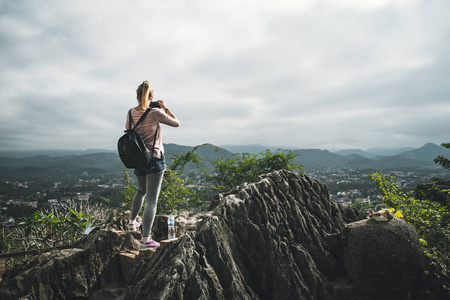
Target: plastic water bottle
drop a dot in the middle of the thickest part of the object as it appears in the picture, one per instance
(171, 227)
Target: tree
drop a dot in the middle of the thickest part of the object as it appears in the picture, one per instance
(178, 192)
(443, 161)
(174, 194)
(437, 190)
(247, 167)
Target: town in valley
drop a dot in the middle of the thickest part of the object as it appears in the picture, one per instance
(20, 199)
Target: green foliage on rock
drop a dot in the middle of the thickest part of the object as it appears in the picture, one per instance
(360, 205)
(430, 219)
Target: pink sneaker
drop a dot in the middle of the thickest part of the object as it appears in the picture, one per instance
(150, 244)
(133, 226)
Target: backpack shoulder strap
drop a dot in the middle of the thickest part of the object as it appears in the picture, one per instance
(154, 140)
(140, 120)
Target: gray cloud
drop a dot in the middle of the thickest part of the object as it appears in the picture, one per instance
(303, 74)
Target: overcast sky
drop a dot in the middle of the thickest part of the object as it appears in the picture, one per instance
(300, 74)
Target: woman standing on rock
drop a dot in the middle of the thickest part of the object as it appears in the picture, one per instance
(149, 178)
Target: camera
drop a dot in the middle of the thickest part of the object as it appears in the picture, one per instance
(154, 104)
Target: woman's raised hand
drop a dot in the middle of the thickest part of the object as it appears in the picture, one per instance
(161, 104)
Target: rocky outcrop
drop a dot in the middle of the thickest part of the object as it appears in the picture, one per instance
(278, 238)
(65, 274)
(281, 238)
(375, 251)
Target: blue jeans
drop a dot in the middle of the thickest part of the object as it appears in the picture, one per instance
(157, 165)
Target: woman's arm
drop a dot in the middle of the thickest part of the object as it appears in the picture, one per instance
(163, 106)
(169, 119)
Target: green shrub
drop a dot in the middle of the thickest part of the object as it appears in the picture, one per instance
(247, 167)
(430, 219)
(52, 227)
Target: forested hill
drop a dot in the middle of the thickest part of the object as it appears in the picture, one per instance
(69, 164)
(315, 159)
(74, 163)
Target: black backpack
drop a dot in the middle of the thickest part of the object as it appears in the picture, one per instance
(132, 150)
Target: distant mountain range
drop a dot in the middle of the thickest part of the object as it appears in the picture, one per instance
(370, 153)
(74, 163)
(374, 158)
(374, 152)
(358, 159)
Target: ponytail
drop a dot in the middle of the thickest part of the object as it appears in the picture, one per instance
(144, 92)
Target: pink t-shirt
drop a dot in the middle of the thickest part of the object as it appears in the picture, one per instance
(146, 129)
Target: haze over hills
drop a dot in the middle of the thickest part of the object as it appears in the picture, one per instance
(77, 162)
(379, 151)
(87, 161)
(370, 153)
(427, 153)
(374, 152)
(52, 152)
(254, 148)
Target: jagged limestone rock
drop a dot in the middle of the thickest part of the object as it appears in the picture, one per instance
(65, 274)
(265, 240)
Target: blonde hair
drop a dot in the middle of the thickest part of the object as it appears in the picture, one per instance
(144, 92)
